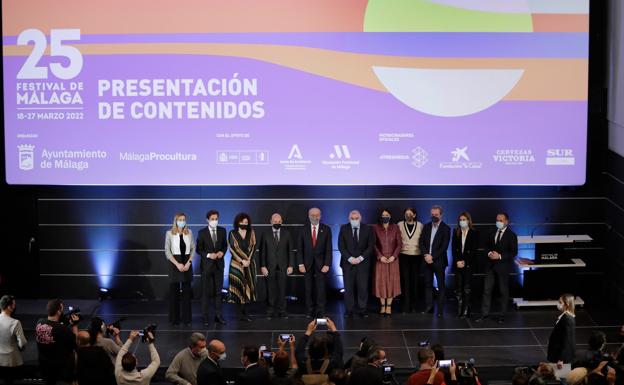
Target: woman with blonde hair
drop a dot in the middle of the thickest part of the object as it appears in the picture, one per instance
(562, 340)
(179, 249)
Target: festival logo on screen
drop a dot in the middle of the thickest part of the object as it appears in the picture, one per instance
(514, 157)
(340, 158)
(560, 157)
(295, 161)
(26, 156)
(420, 157)
(461, 159)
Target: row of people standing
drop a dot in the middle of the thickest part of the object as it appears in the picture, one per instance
(397, 254)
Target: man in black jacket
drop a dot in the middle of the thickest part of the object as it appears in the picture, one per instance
(356, 243)
(254, 374)
(434, 242)
(314, 257)
(502, 248)
(211, 247)
(320, 348)
(277, 259)
(209, 371)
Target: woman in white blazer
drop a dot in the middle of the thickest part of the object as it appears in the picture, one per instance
(179, 249)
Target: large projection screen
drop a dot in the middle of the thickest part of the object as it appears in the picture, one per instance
(307, 92)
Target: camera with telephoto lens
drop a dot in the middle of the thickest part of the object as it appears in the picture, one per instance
(144, 334)
(71, 311)
(117, 324)
(466, 372)
(388, 374)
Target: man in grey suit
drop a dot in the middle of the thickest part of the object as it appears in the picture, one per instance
(277, 259)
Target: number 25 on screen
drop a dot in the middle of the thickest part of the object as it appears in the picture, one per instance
(31, 69)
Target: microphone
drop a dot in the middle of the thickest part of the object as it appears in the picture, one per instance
(546, 220)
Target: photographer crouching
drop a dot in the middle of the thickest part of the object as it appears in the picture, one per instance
(126, 364)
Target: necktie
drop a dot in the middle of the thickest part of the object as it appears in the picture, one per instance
(355, 236)
(276, 236)
(214, 236)
(313, 236)
(182, 245)
(499, 236)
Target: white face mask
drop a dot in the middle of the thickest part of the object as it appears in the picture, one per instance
(213, 223)
(500, 225)
(355, 223)
(222, 356)
(463, 224)
(559, 306)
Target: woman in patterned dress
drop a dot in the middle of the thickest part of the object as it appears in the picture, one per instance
(242, 275)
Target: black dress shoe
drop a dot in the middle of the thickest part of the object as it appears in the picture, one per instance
(218, 319)
(500, 320)
(481, 319)
(245, 318)
(439, 315)
(310, 315)
(283, 315)
(364, 314)
(270, 315)
(348, 315)
(428, 310)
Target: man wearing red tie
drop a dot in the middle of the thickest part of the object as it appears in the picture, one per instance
(314, 256)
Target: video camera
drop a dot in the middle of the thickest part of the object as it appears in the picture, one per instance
(70, 311)
(388, 374)
(466, 372)
(144, 334)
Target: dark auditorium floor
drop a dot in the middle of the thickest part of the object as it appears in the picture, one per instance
(522, 340)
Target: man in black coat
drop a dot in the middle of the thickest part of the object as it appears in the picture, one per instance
(356, 243)
(434, 242)
(277, 259)
(314, 257)
(254, 374)
(211, 247)
(502, 248)
(209, 371)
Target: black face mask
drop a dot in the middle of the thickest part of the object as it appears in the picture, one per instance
(277, 226)
(435, 219)
(385, 219)
(242, 227)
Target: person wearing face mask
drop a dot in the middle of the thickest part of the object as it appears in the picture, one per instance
(314, 257)
(242, 275)
(183, 368)
(387, 281)
(277, 259)
(97, 338)
(211, 247)
(562, 340)
(502, 248)
(356, 242)
(410, 259)
(209, 371)
(12, 340)
(179, 249)
(434, 242)
(465, 244)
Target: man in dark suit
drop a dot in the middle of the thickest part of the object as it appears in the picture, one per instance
(254, 374)
(211, 247)
(372, 373)
(502, 248)
(434, 242)
(314, 257)
(356, 243)
(209, 371)
(277, 259)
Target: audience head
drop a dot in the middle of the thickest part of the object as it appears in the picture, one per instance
(55, 307)
(128, 362)
(427, 357)
(338, 376)
(249, 355)
(96, 328)
(377, 356)
(197, 344)
(520, 379)
(7, 304)
(597, 340)
(365, 346)
(546, 371)
(281, 363)
(577, 376)
(317, 347)
(83, 338)
(216, 350)
(358, 362)
(438, 350)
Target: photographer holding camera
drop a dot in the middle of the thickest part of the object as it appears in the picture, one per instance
(373, 373)
(56, 342)
(97, 331)
(324, 352)
(126, 363)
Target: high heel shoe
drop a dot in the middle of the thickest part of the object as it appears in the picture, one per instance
(388, 310)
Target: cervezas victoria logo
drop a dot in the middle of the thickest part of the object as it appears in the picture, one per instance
(514, 157)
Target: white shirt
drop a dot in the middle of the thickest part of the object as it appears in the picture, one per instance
(502, 232)
(463, 239)
(312, 229)
(352, 258)
(434, 230)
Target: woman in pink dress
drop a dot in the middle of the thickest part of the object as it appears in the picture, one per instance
(387, 283)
